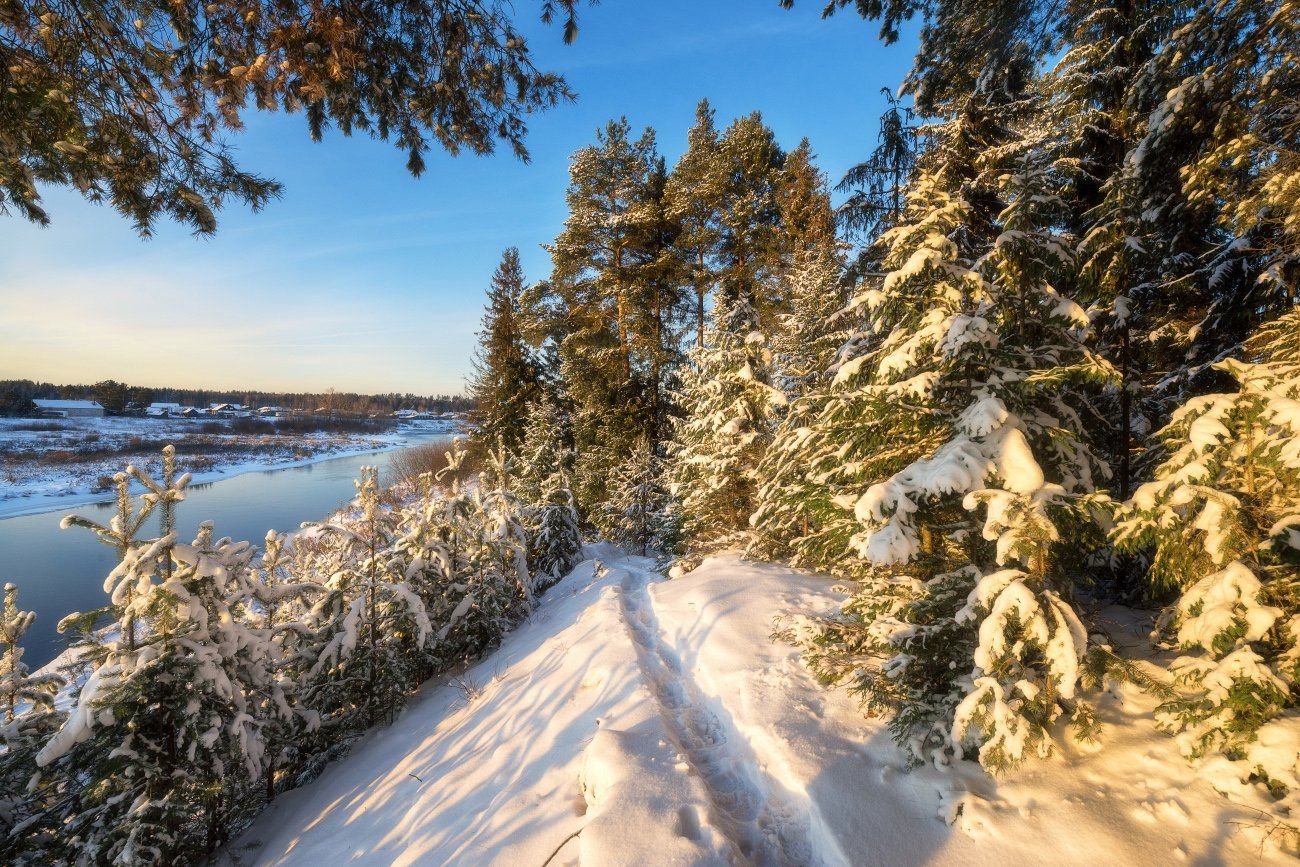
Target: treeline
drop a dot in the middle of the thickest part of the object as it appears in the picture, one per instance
(217, 675)
(1051, 356)
(16, 396)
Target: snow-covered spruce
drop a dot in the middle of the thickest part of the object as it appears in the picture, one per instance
(732, 406)
(542, 485)
(956, 397)
(1222, 522)
(638, 514)
(790, 502)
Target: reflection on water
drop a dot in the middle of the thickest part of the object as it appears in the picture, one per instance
(61, 571)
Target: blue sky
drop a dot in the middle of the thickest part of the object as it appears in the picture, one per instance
(363, 278)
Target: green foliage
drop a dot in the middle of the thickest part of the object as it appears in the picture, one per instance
(133, 104)
(1221, 525)
(227, 678)
(731, 411)
(506, 376)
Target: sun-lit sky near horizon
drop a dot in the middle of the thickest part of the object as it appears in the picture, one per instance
(362, 278)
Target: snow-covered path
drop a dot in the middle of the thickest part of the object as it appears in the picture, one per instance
(635, 720)
(765, 823)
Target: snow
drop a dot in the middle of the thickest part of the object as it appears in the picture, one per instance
(635, 719)
(1220, 601)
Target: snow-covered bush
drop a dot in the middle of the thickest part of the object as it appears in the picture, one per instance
(1221, 521)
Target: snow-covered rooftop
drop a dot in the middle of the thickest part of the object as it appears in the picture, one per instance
(43, 403)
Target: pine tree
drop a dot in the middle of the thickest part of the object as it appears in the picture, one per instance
(281, 605)
(28, 717)
(436, 552)
(498, 573)
(506, 377)
(129, 104)
(611, 275)
(804, 204)
(750, 230)
(1222, 523)
(372, 624)
(731, 411)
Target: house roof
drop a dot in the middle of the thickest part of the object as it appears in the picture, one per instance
(66, 404)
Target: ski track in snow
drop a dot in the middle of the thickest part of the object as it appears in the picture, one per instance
(765, 823)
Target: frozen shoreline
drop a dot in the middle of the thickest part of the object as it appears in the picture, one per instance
(19, 504)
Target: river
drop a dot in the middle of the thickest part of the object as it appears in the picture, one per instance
(61, 571)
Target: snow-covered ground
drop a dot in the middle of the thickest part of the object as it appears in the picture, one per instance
(636, 720)
(31, 481)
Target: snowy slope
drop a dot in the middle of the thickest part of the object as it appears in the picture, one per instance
(657, 721)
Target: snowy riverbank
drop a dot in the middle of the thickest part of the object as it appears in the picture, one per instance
(637, 720)
(31, 485)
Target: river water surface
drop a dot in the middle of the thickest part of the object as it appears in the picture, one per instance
(61, 571)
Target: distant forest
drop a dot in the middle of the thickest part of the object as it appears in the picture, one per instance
(16, 396)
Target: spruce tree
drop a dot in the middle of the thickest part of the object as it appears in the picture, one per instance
(637, 514)
(1221, 521)
(876, 187)
(542, 485)
(791, 502)
(966, 333)
(506, 376)
(731, 408)
(554, 541)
